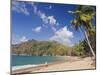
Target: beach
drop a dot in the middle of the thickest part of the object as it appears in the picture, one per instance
(75, 63)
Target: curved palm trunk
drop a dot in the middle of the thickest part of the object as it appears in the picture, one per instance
(87, 40)
(89, 44)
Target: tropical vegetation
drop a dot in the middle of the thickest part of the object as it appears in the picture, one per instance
(84, 18)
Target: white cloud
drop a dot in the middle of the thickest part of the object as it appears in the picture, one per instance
(37, 29)
(18, 39)
(23, 39)
(15, 39)
(19, 7)
(43, 17)
(47, 20)
(63, 36)
(52, 20)
(53, 28)
(35, 9)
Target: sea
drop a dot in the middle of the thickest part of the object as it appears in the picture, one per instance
(20, 60)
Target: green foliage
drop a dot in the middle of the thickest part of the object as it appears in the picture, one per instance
(51, 48)
(82, 49)
(84, 18)
(79, 49)
(40, 48)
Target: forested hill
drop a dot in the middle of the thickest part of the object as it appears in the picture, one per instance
(40, 48)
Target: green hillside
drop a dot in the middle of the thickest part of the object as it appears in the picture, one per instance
(40, 48)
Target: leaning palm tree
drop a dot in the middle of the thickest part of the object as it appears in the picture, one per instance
(83, 20)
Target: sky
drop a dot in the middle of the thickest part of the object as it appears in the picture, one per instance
(43, 22)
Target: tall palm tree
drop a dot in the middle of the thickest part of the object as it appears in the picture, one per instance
(83, 20)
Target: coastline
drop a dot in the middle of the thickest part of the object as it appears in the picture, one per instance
(24, 66)
(75, 63)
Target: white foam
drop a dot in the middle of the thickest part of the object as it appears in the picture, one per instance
(22, 67)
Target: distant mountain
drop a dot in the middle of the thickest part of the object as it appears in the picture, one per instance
(40, 48)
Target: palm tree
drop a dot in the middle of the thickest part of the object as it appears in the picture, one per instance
(83, 20)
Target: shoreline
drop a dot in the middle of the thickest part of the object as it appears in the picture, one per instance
(75, 63)
(24, 66)
(65, 59)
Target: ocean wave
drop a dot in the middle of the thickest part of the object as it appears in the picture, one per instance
(24, 66)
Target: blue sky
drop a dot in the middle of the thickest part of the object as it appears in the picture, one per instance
(43, 21)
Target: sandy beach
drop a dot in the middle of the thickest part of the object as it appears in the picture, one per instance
(75, 63)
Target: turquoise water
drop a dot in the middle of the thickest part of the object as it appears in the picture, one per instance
(25, 60)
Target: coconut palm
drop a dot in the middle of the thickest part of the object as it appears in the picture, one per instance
(83, 20)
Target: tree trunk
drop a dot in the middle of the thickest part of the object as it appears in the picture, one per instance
(87, 40)
(89, 44)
